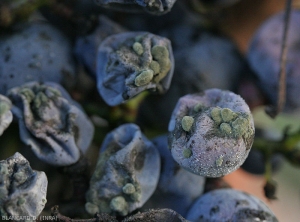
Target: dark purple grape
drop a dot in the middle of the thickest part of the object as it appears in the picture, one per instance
(38, 52)
(132, 62)
(156, 7)
(177, 188)
(126, 174)
(229, 205)
(211, 134)
(87, 46)
(255, 162)
(264, 58)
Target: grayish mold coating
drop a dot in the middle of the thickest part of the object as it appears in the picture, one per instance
(38, 52)
(122, 73)
(6, 116)
(223, 127)
(126, 174)
(154, 7)
(22, 190)
(229, 205)
(177, 188)
(51, 123)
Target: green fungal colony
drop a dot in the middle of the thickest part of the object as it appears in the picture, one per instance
(128, 188)
(231, 123)
(187, 122)
(144, 77)
(187, 153)
(226, 128)
(161, 56)
(138, 48)
(219, 161)
(119, 205)
(215, 114)
(158, 67)
(4, 107)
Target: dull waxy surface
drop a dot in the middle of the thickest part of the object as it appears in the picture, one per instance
(218, 139)
(51, 123)
(132, 62)
(37, 52)
(126, 174)
(22, 190)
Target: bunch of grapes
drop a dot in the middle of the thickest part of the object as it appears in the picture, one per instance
(135, 110)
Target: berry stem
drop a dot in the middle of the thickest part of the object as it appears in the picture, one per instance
(274, 111)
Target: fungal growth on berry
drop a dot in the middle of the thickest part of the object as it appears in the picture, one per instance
(6, 116)
(155, 7)
(22, 190)
(229, 205)
(126, 174)
(214, 140)
(38, 51)
(51, 123)
(86, 46)
(173, 191)
(131, 62)
(194, 49)
(264, 58)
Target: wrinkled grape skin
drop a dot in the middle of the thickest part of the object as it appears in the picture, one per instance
(126, 157)
(52, 124)
(229, 205)
(37, 52)
(264, 58)
(119, 66)
(213, 152)
(23, 190)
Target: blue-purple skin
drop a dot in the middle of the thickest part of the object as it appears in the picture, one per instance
(153, 215)
(264, 58)
(37, 52)
(51, 123)
(22, 189)
(6, 116)
(86, 46)
(229, 205)
(155, 7)
(177, 188)
(220, 136)
(132, 62)
(126, 174)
